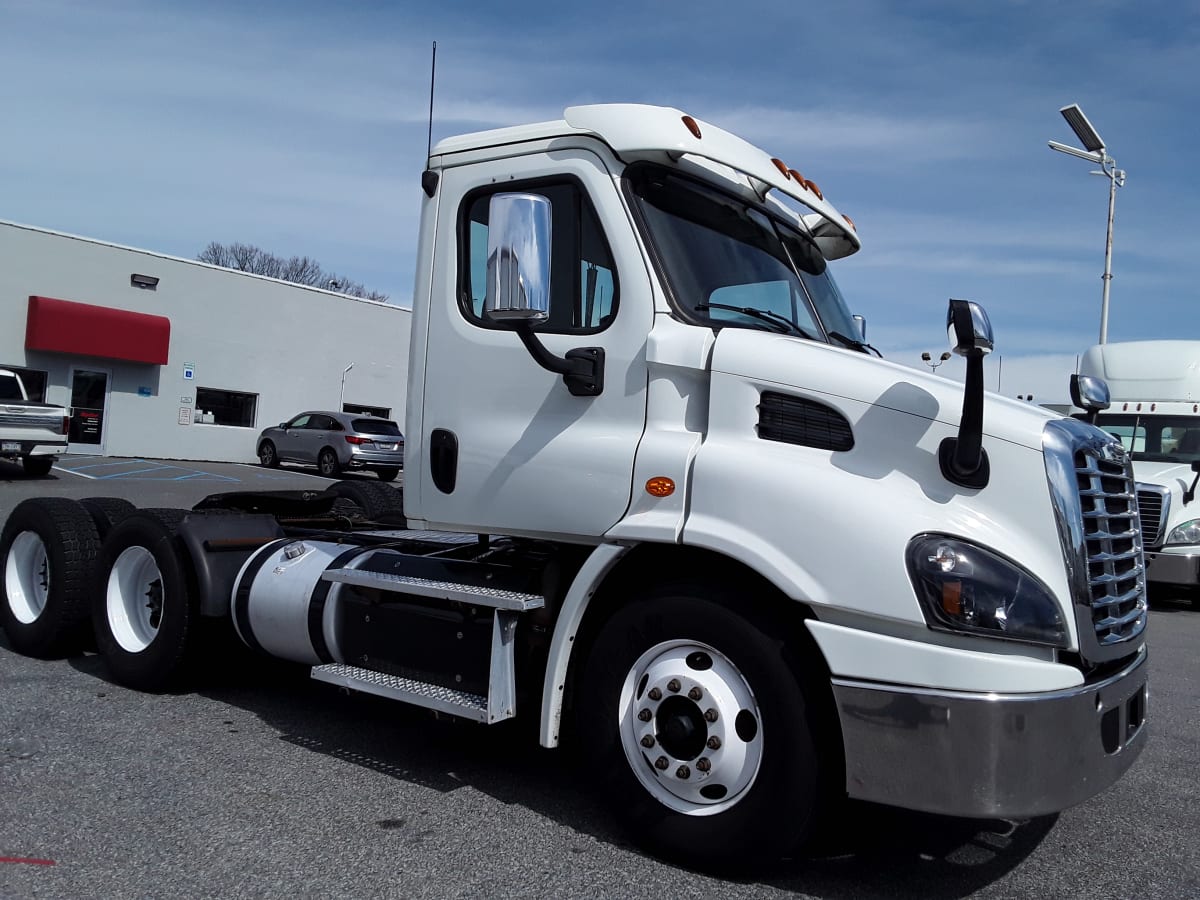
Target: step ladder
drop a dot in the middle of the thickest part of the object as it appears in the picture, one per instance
(500, 702)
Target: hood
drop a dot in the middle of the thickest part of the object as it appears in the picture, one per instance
(813, 367)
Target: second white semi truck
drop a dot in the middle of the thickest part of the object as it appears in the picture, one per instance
(1154, 390)
(660, 494)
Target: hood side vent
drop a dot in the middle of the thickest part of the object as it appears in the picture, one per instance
(796, 420)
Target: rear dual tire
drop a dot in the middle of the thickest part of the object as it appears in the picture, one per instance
(48, 552)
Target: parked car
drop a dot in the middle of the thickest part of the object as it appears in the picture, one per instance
(335, 441)
(34, 433)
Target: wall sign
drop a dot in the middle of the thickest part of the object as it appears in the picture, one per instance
(189, 371)
(185, 415)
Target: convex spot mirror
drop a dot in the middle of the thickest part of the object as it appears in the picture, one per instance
(968, 328)
(518, 258)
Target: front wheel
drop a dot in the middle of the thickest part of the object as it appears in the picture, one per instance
(267, 456)
(693, 717)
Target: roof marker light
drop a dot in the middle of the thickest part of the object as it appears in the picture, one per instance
(782, 167)
(850, 222)
(692, 126)
(799, 179)
(812, 186)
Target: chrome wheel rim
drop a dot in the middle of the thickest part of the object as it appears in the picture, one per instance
(690, 727)
(27, 577)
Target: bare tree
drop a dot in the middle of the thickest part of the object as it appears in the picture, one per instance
(296, 269)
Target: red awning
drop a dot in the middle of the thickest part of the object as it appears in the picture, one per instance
(62, 326)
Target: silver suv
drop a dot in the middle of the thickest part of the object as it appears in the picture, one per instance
(334, 441)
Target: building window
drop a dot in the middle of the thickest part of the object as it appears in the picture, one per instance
(217, 407)
(382, 412)
(34, 381)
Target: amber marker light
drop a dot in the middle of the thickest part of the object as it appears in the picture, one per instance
(796, 176)
(660, 486)
(849, 221)
(812, 186)
(692, 126)
(782, 167)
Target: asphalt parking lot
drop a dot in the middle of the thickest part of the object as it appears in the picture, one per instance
(263, 783)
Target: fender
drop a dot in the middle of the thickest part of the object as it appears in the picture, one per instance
(583, 588)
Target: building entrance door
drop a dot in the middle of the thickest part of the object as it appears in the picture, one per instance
(89, 397)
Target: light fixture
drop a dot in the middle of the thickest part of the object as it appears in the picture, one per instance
(145, 282)
(1094, 151)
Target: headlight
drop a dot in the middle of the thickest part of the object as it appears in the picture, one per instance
(965, 588)
(1187, 533)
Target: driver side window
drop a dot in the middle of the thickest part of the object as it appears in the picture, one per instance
(583, 279)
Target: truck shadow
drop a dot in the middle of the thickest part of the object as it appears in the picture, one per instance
(871, 851)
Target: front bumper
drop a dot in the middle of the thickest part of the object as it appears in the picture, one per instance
(1165, 567)
(991, 755)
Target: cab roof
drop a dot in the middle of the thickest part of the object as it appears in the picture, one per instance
(635, 131)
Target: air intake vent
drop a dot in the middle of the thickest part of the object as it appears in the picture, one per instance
(1153, 503)
(794, 420)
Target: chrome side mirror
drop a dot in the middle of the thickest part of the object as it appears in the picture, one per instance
(1090, 393)
(861, 323)
(518, 258)
(968, 328)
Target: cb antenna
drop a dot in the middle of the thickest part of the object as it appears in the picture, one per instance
(432, 79)
(429, 178)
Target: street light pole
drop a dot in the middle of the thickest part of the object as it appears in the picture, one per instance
(1095, 151)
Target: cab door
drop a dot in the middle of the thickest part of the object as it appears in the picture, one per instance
(506, 447)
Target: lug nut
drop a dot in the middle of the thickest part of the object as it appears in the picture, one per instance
(703, 764)
(710, 715)
(673, 685)
(661, 763)
(714, 743)
(655, 694)
(695, 693)
(683, 772)
(648, 740)
(645, 715)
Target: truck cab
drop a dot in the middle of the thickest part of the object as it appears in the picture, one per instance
(1154, 410)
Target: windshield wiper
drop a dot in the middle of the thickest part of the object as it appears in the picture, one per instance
(853, 344)
(763, 315)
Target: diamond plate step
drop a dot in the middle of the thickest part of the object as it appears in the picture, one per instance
(419, 693)
(495, 598)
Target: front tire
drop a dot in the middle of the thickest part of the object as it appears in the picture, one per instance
(145, 610)
(692, 715)
(267, 456)
(48, 552)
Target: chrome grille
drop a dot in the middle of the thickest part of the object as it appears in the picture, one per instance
(1153, 504)
(1095, 500)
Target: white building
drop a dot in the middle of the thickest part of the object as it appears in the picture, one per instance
(171, 358)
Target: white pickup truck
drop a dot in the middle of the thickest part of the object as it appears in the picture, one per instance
(34, 433)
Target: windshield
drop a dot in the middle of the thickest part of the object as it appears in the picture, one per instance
(728, 262)
(1156, 438)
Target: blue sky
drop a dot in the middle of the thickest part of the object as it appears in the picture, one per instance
(301, 127)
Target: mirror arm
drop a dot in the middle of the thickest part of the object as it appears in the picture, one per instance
(1190, 494)
(963, 459)
(582, 369)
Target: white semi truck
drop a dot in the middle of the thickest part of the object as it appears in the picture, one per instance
(661, 496)
(1154, 389)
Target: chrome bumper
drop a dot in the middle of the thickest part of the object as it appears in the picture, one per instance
(1173, 568)
(991, 755)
